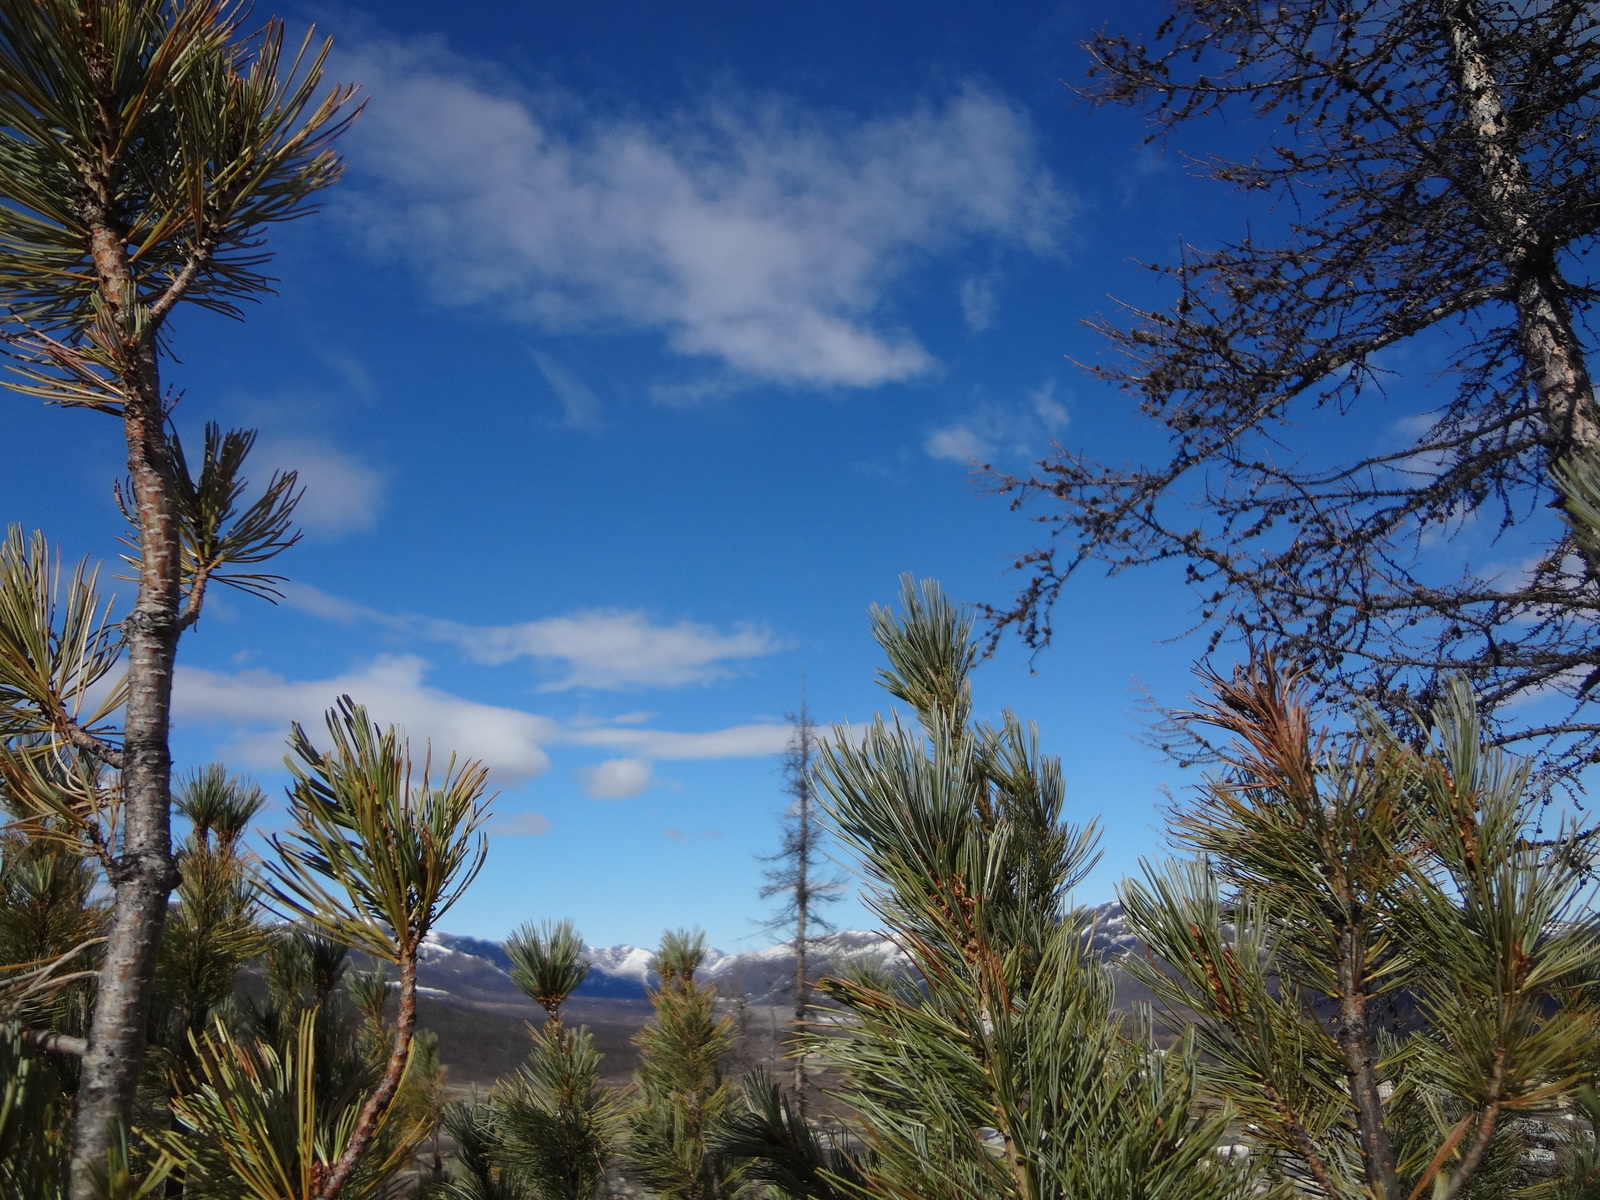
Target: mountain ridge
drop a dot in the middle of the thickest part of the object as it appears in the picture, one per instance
(478, 969)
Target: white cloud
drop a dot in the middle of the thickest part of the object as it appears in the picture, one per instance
(601, 648)
(1051, 412)
(738, 741)
(1410, 428)
(351, 371)
(673, 833)
(749, 232)
(959, 443)
(509, 742)
(342, 494)
(333, 608)
(522, 824)
(994, 430)
(255, 707)
(612, 649)
(617, 778)
(580, 407)
(979, 302)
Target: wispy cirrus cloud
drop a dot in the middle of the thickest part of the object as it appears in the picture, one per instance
(748, 230)
(994, 430)
(596, 648)
(580, 407)
(979, 302)
(673, 833)
(342, 494)
(522, 824)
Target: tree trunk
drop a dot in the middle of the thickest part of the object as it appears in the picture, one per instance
(366, 1126)
(1550, 344)
(802, 896)
(800, 993)
(142, 873)
(1354, 1036)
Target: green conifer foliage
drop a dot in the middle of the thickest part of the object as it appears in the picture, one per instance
(478, 1171)
(558, 1123)
(548, 1131)
(547, 964)
(1385, 966)
(32, 1121)
(682, 1103)
(997, 1067)
(51, 924)
(1577, 477)
(145, 148)
(261, 1130)
(375, 855)
(217, 924)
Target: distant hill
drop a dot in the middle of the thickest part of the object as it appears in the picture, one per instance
(468, 999)
(477, 970)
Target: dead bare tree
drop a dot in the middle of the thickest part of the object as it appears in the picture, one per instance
(799, 876)
(1437, 162)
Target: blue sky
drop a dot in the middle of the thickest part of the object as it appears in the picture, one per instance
(641, 350)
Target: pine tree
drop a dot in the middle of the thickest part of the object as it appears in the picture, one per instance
(681, 1100)
(557, 1123)
(217, 923)
(145, 146)
(1339, 886)
(374, 857)
(994, 1066)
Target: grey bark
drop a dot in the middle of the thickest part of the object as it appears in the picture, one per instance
(142, 873)
(1549, 340)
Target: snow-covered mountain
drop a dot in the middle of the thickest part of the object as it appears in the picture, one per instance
(475, 969)
(1109, 932)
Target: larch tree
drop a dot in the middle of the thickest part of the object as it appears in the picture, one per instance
(798, 875)
(1433, 163)
(145, 145)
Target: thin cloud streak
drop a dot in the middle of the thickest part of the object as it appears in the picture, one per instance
(581, 408)
(522, 824)
(738, 741)
(995, 430)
